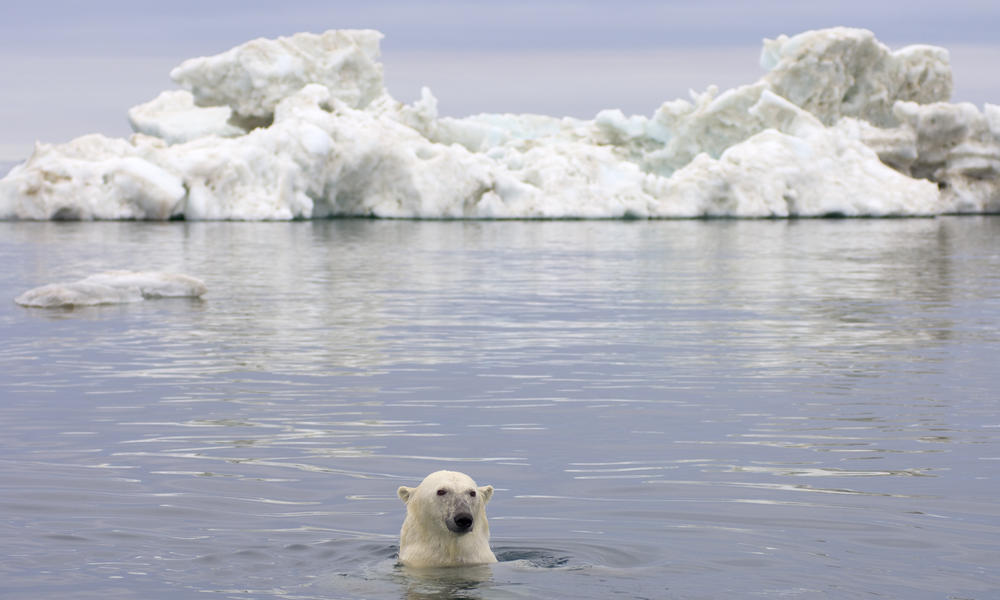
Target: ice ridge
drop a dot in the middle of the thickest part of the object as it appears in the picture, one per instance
(303, 127)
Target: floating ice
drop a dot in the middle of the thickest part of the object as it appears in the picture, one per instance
(302, 127)
(113, 287)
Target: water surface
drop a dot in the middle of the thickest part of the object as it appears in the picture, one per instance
(693, 409)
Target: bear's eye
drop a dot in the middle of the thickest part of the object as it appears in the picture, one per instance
(442, 492)
(473, 493)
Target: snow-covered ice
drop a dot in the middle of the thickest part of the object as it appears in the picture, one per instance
(303, 127)
(174, 117)
(113, 287)
(253, 78)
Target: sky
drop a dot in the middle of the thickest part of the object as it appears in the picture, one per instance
(68, 68)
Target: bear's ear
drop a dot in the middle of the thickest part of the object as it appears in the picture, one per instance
(486, 492)
(404, 493)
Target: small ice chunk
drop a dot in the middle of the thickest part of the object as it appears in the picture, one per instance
(113, 287)
(79, 293)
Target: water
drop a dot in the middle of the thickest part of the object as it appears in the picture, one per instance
(693, 409)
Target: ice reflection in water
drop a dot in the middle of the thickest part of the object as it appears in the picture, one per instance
(668, 409)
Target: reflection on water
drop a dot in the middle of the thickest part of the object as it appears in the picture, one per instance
(667, 409)
(427, 584)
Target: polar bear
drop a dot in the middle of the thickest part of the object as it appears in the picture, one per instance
(445, 523)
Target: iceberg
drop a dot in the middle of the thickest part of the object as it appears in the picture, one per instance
(113, 287)
(302, 127)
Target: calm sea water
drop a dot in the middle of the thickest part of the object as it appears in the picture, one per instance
(695, 409)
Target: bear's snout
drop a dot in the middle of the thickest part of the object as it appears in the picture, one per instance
(460, 523)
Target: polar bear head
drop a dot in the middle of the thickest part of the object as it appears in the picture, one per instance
(445, 522)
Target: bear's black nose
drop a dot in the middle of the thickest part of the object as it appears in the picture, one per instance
(463, 522)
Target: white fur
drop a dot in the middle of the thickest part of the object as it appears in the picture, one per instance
(428, 537)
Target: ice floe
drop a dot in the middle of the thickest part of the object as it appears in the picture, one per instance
(113, 287)
(303, 127)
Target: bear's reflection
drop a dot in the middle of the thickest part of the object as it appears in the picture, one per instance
(446, 582)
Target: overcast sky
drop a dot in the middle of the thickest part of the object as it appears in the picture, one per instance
(69, 68)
